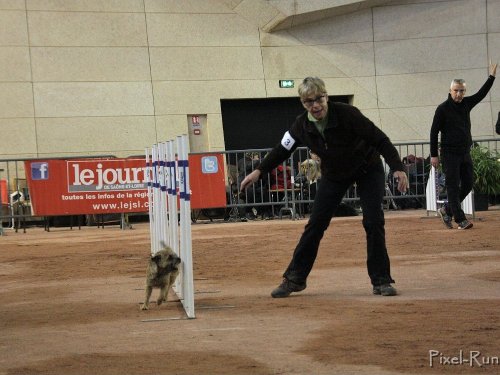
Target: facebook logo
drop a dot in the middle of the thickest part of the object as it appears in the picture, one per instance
(40, 171)
(209, 164)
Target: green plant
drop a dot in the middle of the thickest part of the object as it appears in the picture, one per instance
(486, 170)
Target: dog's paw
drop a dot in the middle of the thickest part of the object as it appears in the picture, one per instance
(160, 301)
(144, 307)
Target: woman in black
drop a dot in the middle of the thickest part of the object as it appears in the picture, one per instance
(349, 146)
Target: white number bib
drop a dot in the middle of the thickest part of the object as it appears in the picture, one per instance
(287, 141)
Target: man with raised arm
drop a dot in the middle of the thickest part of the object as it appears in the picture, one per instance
(452, 120)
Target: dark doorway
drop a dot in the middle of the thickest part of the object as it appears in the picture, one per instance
(260, 123)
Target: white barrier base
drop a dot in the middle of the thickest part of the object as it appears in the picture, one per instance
(432, 202)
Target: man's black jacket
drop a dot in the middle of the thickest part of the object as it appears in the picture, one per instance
(352, 143)
(453, 121)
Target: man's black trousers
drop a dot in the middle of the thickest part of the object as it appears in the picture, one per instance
(458, 170)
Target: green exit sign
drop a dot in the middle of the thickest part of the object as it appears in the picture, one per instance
(286, 83)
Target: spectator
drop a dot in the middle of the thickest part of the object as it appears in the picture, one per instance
(452, 120)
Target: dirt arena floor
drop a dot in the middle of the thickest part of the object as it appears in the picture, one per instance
(69, 302)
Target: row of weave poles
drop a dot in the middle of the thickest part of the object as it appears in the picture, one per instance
(170, 210)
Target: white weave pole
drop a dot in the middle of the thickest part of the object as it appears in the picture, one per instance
(149, 180)
(173, 212)
(157, 201)
(163, 212)
(187, 294)
(165, 197)
(158, 205)
(155, 236)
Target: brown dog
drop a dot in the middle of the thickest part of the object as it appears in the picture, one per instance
(163, 268)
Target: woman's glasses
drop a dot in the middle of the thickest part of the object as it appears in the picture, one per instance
(310, 102)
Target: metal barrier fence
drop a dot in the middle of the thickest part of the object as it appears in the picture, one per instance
(295, 194)
(285, 191)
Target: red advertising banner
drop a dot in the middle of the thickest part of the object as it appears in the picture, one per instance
(99, 186)
(4, 199)
(94, 186)
(207, 181)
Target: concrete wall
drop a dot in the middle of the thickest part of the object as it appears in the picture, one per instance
(112, 77)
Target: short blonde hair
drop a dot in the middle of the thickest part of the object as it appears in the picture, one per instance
(311, 86)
